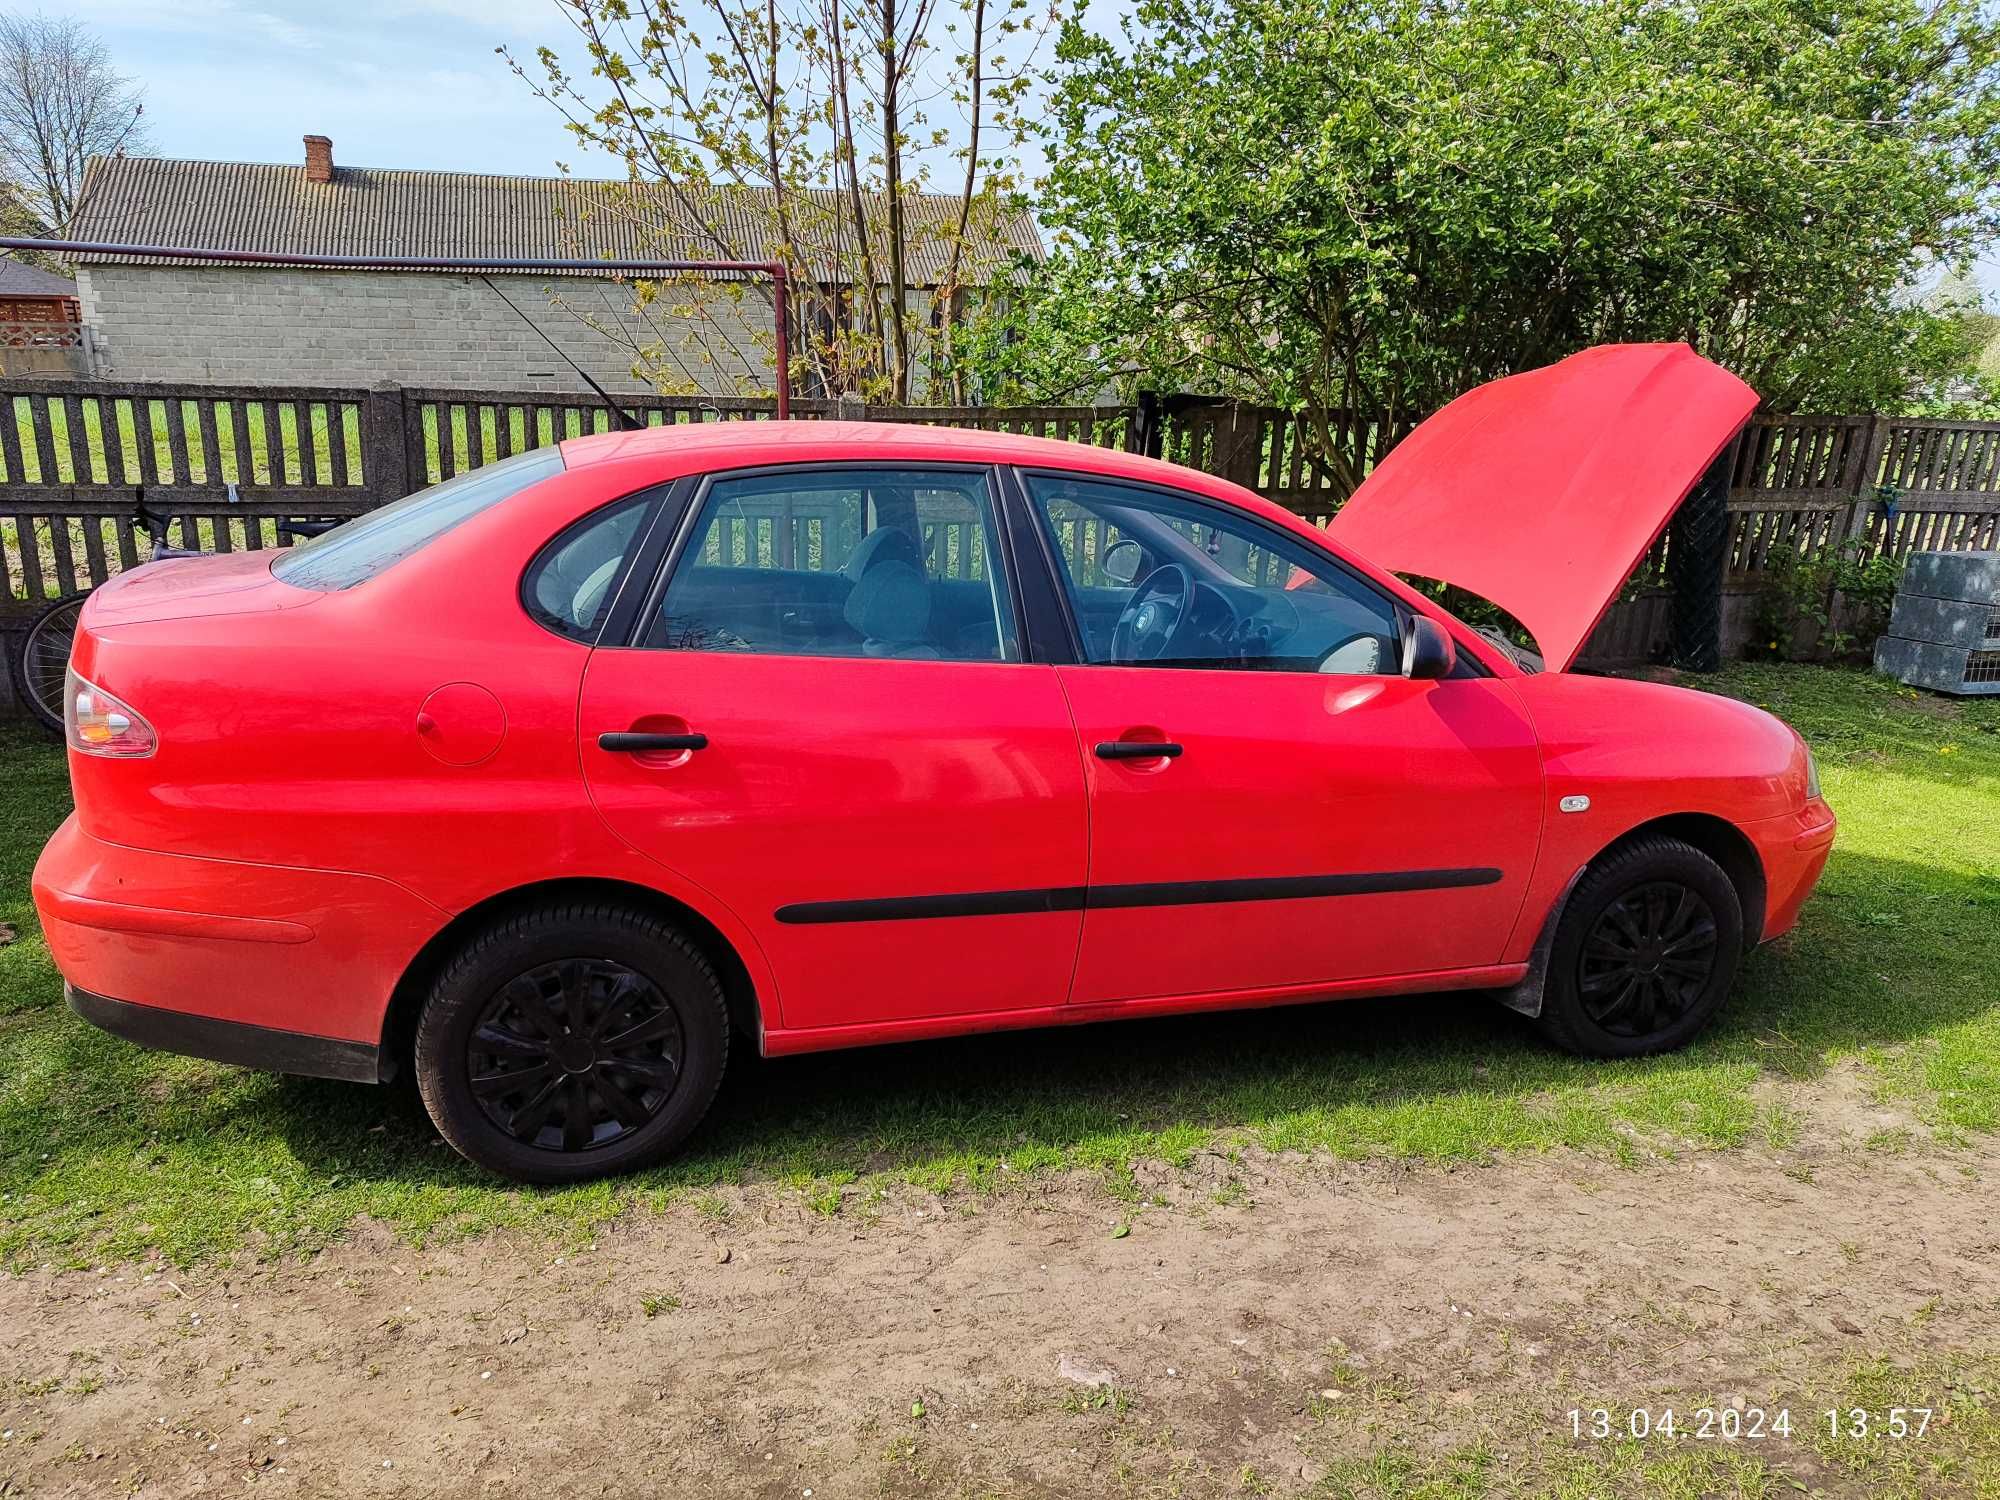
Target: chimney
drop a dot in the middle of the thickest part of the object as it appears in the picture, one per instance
(319, 159)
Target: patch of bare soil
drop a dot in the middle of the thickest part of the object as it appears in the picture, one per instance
(1266, 1321)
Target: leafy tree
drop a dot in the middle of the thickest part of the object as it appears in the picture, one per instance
(1374, 204)
(810, 131)
(1966, 339)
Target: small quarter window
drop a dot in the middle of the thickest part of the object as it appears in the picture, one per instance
(570, 585)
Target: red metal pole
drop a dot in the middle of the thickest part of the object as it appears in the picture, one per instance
(773, 269)
(783, 348)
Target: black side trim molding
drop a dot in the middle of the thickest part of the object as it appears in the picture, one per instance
(262, 1047)
(904, 908)
(1286, 887)
(1107, 897)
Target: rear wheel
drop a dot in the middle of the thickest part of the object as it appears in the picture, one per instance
(572, 1042)
(43, 660)
(1645, 954)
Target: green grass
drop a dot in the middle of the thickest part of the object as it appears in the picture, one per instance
(106, 1150)
(251, 450)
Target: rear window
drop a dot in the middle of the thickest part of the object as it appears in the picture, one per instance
(357, 551)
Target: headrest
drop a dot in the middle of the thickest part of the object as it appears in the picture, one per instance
(890, 602)
(884, 544)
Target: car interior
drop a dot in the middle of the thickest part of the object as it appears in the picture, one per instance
(893, 564)
(569, 588)
(884, 565)
(1153, 580)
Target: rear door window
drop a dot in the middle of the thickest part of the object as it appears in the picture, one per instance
(355, 552)
(887, 562)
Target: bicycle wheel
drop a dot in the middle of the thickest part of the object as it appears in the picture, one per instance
(44, 658)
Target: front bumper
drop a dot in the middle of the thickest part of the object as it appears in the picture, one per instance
(247, 1046)
(1793, 850)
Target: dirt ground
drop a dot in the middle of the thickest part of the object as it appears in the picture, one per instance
(1262, 1323)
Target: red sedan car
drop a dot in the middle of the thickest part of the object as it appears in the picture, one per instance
(560, 779)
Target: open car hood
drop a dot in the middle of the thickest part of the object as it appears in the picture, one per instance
(1542, 491)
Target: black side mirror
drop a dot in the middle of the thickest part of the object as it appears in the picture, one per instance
(1427, 650)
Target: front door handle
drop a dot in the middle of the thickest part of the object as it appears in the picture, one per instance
(633, 742)
(1137, 750)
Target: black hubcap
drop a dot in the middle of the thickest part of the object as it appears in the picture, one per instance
(575, 1055)
(1648, 960)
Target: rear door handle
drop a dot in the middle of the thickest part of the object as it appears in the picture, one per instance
(632, 742)
(1137, 750)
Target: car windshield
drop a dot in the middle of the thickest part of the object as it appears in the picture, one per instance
(355, 552)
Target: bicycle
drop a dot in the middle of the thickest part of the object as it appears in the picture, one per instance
(42, 663)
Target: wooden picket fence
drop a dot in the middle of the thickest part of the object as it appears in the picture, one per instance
(1889, 484)
(236, 464)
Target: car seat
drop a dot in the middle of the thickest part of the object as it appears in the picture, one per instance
(884, 544)
(889, 605)
(890, 608)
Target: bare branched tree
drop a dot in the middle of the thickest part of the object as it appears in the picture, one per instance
(868, 144)
(61, 103)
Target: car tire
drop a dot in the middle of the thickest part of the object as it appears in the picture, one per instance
(571, 1042)
(1645, 953)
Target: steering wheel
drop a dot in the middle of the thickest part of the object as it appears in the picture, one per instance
(1153, 617)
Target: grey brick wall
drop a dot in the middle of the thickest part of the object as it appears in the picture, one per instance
(292, 327)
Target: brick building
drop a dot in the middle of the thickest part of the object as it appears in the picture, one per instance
(221, 322)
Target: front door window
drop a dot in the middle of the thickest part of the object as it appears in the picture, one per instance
(1157, 579)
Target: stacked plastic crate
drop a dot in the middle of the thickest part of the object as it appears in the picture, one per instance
(1944, 632)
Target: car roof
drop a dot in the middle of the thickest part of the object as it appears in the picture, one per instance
(694, 446)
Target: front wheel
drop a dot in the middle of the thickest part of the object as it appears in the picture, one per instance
(572, 1042)
(1645, 954)
(43, 661)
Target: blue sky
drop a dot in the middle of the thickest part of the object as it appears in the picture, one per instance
(394, 85)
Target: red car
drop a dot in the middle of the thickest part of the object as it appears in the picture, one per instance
(558, 780)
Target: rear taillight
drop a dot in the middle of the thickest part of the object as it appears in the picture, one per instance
(99, 724)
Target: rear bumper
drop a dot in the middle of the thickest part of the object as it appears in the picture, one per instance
(247, 1046)
(229, 948)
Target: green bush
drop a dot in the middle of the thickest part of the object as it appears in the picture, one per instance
(1829, 608)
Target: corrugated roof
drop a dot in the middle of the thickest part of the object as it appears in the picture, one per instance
(18, 280)
(366, 211)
